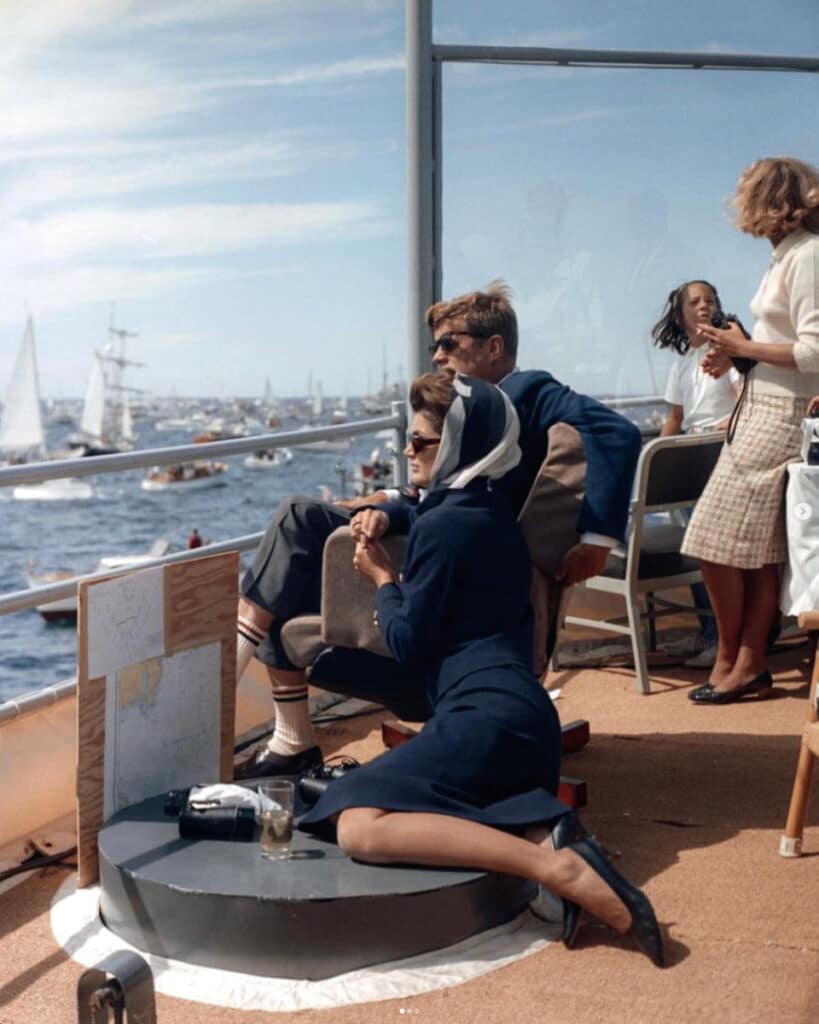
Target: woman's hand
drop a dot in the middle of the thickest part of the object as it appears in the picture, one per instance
(372, 561)
(715, 363)
(369, 524)
(730, 340)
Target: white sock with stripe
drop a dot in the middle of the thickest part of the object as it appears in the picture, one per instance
(248, 638)
(294, 729)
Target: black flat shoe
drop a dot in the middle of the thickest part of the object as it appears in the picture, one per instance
(266, 763)
(644, 929)
(568, 830)
(760, 686)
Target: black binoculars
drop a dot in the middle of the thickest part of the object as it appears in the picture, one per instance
(209, 821)
(317, 779)
(720, 319)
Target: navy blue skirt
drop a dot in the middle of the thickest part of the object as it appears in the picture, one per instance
(490, 753)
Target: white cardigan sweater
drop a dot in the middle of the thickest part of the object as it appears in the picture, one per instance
(786, 306)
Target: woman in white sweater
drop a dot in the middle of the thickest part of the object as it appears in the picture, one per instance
(738, 527)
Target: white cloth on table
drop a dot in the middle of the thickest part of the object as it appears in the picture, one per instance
(225, 794)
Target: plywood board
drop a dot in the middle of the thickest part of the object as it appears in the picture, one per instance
(162, 726)
(165, 718)
(125, 619)
(201, 602)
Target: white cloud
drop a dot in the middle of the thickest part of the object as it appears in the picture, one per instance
(182, 231)
(49, 291)
(359, 67)
(154, 164)
(77, 106)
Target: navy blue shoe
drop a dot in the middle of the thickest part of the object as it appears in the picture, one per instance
(265, 763)
(760, 686)
(568, 830)
(644, 929)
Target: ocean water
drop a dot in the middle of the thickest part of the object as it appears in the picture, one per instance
(124, 519)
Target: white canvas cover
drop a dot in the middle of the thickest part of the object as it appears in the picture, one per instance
(800, 585)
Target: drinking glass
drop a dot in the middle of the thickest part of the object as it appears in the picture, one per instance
(277, 823)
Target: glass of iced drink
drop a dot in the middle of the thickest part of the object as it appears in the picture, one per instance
(276, 819)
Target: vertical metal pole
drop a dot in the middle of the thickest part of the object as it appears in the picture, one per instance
(399, 462)
(421, 256)
(437, 177)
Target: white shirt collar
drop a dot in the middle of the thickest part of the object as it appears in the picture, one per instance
(788, 242)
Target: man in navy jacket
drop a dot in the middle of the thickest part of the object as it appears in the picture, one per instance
(475, 334)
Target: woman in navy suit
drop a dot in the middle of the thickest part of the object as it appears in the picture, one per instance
(477, 787)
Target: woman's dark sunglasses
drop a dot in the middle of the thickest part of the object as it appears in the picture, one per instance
(416, 443)
(447, 341)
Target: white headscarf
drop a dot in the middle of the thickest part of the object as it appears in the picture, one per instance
(479, 437)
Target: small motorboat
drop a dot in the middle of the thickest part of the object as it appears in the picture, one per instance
(65, 609)
(340, 445)
(62, 489)
(188, 476)
(268, 458)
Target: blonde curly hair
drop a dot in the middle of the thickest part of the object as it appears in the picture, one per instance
(777, 195)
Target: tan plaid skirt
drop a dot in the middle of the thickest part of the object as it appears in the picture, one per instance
(739, 519)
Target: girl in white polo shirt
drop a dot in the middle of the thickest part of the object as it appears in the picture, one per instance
(697, 403)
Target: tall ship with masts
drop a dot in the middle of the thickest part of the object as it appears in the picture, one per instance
(107, 425)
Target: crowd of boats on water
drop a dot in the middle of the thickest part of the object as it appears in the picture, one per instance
(107, 419)
(110, 417)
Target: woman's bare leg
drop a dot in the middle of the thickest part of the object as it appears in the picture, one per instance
(385, 837)
(761, 600)
(252, 625)
(726, 589)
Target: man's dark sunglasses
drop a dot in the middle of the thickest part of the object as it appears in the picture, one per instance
(417, 443)
(447, 341)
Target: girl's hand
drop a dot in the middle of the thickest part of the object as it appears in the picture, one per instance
(729, 340)
(371, 560)
(716, 364)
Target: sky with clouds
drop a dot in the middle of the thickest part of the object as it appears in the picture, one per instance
(227, 179)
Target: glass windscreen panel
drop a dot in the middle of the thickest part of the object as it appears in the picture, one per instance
(594, 192)
(732, 26)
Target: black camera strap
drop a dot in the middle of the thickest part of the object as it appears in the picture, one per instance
(734, 418)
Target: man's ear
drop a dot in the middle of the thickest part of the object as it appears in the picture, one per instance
(497, 347)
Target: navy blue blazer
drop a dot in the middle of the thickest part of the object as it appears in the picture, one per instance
(463, 603)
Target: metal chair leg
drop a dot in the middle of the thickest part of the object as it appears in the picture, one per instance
(652, 622)
(638, 646)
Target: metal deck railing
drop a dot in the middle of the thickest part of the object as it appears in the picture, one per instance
(37, 472)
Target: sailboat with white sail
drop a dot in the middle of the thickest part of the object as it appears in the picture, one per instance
(317, 408)
(21, 429)
(21, 433)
